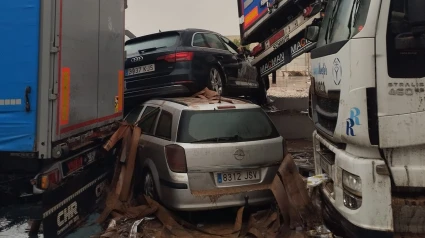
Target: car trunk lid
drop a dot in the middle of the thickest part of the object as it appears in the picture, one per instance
(228, 147)
(152, 56)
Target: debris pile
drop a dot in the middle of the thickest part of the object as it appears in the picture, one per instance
(139, 216)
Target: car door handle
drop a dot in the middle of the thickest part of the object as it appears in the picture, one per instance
(219, 57)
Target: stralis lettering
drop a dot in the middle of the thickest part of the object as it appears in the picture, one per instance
(67, 217)
(408, 89)
(273, 63)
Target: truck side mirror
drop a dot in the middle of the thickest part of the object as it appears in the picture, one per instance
(312, 33)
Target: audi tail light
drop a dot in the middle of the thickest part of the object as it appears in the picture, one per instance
(177, 57)
(176, 158)
(257, 49)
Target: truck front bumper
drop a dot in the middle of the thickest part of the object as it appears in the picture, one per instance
(341, 226)
(373, 212)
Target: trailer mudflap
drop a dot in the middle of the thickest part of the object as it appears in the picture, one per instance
(65, 207)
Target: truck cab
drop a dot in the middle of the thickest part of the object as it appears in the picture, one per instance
(367, 104)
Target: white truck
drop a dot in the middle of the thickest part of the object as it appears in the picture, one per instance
(368, 107)
(278, 28)
(61, 92)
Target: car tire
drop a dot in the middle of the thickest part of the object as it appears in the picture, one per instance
(148, 185)
(260, 94)
(216, 80)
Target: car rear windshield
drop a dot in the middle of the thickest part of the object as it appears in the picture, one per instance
(156, 41)
(216, 126)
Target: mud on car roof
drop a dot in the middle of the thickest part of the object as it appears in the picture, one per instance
(194, 101)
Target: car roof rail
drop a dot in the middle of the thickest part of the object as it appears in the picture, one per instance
(240, 99)
(171, 100)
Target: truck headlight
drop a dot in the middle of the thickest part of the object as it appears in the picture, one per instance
(351, 201)
(352, 183)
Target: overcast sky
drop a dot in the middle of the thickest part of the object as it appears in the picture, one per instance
(145, 16)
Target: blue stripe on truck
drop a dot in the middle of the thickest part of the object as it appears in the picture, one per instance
(19, 46)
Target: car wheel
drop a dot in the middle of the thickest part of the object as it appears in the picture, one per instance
(149, 188)
(215, 81)
(260, 94)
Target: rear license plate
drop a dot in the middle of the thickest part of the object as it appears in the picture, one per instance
(140, 69)
(239, 176)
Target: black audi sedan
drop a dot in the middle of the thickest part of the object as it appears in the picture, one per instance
(183, 62)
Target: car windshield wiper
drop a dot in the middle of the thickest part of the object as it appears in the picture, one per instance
(151, 49)
(330, 26)
(351, 21)
(234, 138)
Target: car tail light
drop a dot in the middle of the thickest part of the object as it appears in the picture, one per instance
(49, 179)
(176, 158)
(257, 49)
(177, 57)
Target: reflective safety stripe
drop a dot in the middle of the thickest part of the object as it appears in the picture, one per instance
(250, 17)
(65, 96)
(10, 102)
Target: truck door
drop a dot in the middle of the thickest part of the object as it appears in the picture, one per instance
(401, 89)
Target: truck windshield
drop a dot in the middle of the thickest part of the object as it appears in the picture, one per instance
(221, 126)
(343, 20)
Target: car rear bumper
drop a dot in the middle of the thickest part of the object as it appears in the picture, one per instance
(184, 200)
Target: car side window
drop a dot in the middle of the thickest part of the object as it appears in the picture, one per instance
(199, 40)
(147, 124)
(134, 114)
(229, 45)
(214, 42)
(163, 129)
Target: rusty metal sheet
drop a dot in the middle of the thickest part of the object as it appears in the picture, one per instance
(289, 214)
(297, 193)
(409, 216)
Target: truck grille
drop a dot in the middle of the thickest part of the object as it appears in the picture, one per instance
(326, 112)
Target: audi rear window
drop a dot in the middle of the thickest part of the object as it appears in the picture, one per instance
(152, 42)
(221, 126)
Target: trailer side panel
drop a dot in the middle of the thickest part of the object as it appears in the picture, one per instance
(90, 60)
(19, 27)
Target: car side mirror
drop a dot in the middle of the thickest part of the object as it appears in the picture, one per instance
(312, 33)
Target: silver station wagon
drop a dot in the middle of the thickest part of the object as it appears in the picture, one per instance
(198, 154)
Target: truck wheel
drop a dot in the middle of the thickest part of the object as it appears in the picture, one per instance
(216, 80)
(149, 188)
